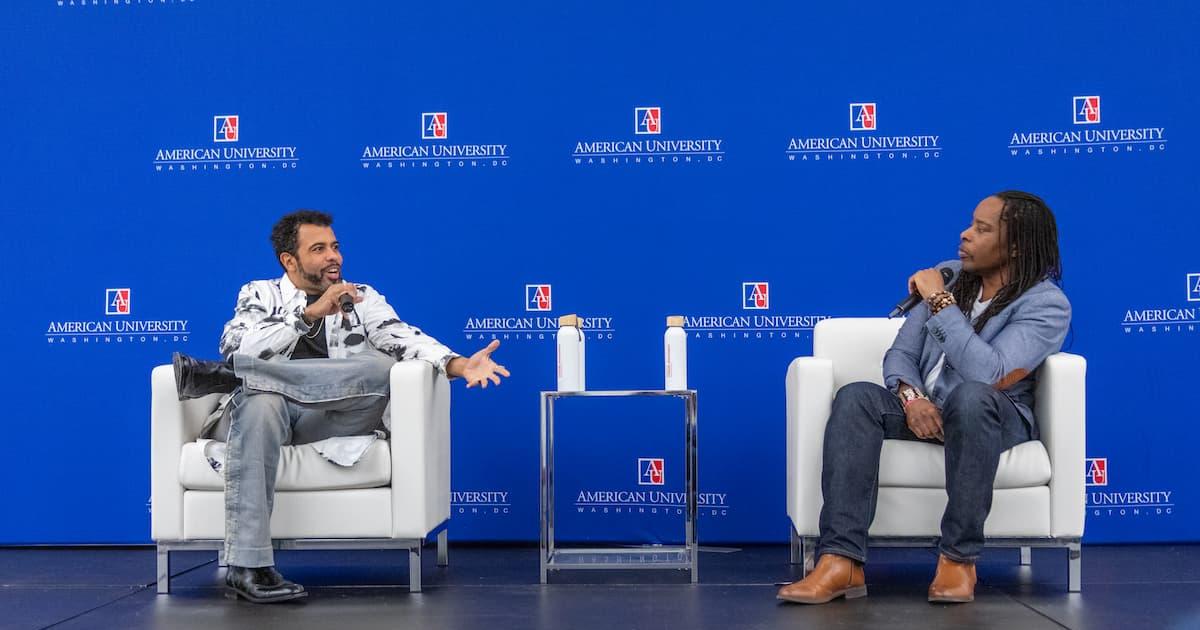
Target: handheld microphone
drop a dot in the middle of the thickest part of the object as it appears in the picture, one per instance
(949, 275)
(346, 302)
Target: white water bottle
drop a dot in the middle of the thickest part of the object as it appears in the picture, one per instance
(675, 354)
(570, 354)
(582, 355)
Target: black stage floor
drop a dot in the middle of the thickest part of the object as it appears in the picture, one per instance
(1127, 587)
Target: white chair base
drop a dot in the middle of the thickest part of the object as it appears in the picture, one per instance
(803, 550)
(413, 545)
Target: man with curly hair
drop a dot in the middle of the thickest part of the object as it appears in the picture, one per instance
(308, 357)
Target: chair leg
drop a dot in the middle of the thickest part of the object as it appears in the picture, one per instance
(442, 548)
(1026, 556)
(808, 548)
(1074, 567)
(794, 555)
(164, 570)
(414, 569)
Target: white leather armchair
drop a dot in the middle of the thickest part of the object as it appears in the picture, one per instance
(1038, 497)
(394, 497)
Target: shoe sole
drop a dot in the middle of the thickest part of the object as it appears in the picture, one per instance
(234, 594)
(850, 593)
(951, 600)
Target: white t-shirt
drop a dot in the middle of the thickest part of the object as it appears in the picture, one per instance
(976, 311)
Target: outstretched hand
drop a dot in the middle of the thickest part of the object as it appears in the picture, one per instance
(479, 369)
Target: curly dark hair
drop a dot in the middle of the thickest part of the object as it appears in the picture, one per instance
(285, 234)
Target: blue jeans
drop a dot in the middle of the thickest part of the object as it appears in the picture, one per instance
(979, 423)
(288, 402)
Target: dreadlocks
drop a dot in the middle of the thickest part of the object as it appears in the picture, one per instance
(1029, 235)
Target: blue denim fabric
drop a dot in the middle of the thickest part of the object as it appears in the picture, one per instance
(979, 424)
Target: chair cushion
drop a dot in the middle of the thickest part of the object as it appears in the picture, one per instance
(300, 468)
(908, 464)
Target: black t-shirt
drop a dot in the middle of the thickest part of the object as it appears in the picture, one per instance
(312, 345)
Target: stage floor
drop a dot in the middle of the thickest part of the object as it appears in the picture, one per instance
(1128, 587)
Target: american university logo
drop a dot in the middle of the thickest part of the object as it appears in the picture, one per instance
(432, 152)
(862, 116)
(649, 151)
(638, 501)
(225, 128)
(1103, 502)
(537, 297)
(116, 301)
(1097, 471)
(1182, 316)
(1087, 110)
(225, 156)
(535, 323)
(756, 296)
(433, 126)
(647, 120)
(650, 471)
(1090, 140)
(116, 328)
(737, 326)
(862, 144)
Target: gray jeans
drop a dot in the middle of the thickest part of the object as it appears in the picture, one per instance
(288, 402)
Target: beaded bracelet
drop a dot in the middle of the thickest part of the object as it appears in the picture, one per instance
(940, 300)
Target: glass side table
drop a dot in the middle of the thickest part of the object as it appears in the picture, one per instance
(638, 557)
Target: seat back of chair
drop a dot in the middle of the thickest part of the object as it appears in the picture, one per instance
(856, 346)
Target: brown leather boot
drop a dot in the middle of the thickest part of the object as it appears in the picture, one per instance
(834, 576)
(954, 582)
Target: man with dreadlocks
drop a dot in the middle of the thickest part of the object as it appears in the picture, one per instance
(962, 373)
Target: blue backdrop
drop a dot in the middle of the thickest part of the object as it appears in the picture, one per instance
(641, 160)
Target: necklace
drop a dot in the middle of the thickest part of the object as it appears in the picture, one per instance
(316, 329)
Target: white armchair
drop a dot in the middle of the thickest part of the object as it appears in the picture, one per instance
(1038, 497)
(394, 497)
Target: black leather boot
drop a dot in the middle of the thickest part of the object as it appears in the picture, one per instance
(195, 378)
(261, 585)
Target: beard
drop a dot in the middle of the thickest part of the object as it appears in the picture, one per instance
(317, 279)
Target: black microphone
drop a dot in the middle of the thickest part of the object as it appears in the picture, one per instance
(346, 302)
(949, 275)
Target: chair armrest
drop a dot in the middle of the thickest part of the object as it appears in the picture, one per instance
(420, 424)
(172, 423)
(809, 399)
(1062, 421)
(167, 437)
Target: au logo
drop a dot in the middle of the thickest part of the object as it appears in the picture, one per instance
(650, 471)
(1087, 110)
(116, 301)
(433, 126)
(225, 128)
(647, 120)
(756, 296)
(537, 297)
(862, 117)
(1193, 287)
(1097, 471)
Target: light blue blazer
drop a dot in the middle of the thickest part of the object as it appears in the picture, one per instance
(1006, 354)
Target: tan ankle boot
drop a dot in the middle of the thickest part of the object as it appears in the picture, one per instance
(834, 576)
(954, 581)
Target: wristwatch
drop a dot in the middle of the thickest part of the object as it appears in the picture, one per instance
(910, 394)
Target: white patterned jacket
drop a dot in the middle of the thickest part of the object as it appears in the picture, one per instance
(267, 322)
